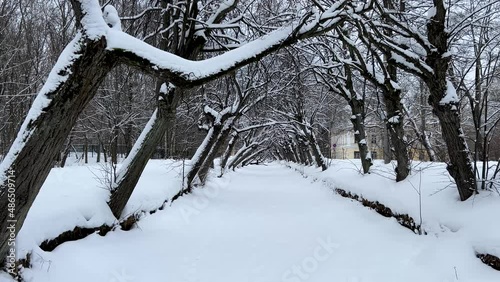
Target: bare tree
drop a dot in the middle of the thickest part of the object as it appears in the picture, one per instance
(82, 67)
(426, 54)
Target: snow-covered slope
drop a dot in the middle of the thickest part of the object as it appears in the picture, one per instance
(76, 196)
(262, 223)
(428, 195)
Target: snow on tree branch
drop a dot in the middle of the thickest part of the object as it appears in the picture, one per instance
(135, 52)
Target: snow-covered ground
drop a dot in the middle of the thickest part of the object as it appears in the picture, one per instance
(260, 223)
(76, 196)
(428, 196)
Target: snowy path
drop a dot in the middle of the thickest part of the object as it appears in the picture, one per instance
(263, 223)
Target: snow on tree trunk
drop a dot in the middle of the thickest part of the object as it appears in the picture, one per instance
(316, 152)
(201, 154)
(395, 126)
(358, 124)
(71, 85)
(161, 121)
(227, 152)
(214, 150)
(445, 105)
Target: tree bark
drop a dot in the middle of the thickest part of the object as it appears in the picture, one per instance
(395, 117)
(162, 120)
(395, 126)
(201, 155)
(42, 136)
(215, 148)
(227, 153)
(316, 152)
(460, 165)
(358, 124)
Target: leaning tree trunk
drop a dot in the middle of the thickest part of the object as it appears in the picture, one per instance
(246, 161)
(220, 141)
(241, 157)
(447, 110)
(54, 112)
(316, 152)
(293, 148)
(227, 152)
(164, 124)
(460, 164)
(201, 154)
(162, 120)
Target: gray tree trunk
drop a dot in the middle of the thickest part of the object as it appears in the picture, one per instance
(395, 127)
(214, 150)
(460, 166)
(227, 153)
(44, 135)
(129, 175)
(358, 124)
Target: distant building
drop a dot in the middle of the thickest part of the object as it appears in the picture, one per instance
(344, 146)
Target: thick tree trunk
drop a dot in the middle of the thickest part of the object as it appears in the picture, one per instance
(460, 164)
(46, 127)
(447, 110)
(127, 177)
(395, 122)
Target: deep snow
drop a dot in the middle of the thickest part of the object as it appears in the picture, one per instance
(260, 223)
